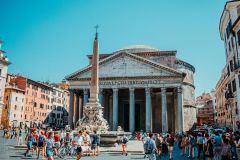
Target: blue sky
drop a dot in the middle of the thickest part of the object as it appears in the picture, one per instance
(49, 39)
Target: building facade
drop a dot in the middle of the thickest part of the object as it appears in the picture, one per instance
(205, 109)
(58, 116)
(141, 88)
(228, 87)
(3, 76)
(40, 100)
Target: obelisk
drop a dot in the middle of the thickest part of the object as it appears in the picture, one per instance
(92, 111)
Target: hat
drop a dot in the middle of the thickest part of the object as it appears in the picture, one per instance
(227, 135)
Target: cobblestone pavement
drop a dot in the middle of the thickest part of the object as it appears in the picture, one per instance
(8, 152)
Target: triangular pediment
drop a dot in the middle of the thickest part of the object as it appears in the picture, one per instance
(126, 65)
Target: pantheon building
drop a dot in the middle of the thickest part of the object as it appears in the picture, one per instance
(140, 88)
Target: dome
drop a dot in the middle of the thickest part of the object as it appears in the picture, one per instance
(139, 49)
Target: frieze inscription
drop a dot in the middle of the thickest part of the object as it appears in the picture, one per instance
(130, 82)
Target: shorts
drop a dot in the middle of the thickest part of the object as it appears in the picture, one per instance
(49, 152)
(79, 150)
(94, 146)
(34, 143)
(57, 144)
(40, 144)
(29, 145)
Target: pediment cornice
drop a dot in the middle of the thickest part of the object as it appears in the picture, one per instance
(122, 54)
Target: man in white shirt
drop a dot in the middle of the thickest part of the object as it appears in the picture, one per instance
(78, 142)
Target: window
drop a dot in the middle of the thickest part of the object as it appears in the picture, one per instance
(229, 46)
(25, 116)
(239, 80)
(16, 98)
(7, 98)
(231, 65)
(35, 104)
(22, 108)
(234, 85)
(238, 35)
(15, 107)
(228, 71)
(0, 72)
(232, 43)
(14, 115)
(41, 105)
(228, 29)
(230, 88)
(5, 106)
(238, 11)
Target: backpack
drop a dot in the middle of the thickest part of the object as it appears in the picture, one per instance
(34, 140)
(148, 147)
(41, 139)
(125, 140)
(30, 138)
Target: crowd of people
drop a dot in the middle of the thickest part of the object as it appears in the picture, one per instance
(192, 145)
(200, 145)
(50, 143)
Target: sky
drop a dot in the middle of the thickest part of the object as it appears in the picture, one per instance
(47, 40)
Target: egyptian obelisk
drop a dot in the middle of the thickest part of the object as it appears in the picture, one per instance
(92, 111)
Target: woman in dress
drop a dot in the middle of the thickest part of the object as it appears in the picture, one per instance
(209, 148)
(49, 146)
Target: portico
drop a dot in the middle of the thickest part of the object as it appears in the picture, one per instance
(136, 108)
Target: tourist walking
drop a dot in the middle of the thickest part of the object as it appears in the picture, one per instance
(233, 143)
(41, 144)
(28, 140)
(170, 141)
(193, 145)
(124, 145)
(158, 144)
(200, 143)
(20, 138)
(209, 148)
(35, 137)
(226, 148)
(56, 142)
(49, 146)
(87, 143)
(78, 141)
(95, 141)
(217, 145)
(150, 148)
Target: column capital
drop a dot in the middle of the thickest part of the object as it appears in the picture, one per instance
(163, 89)
(101, 90)
(115, 89)
(85, 91)
(179, 89)
(131, 89)
(148, 90)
